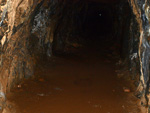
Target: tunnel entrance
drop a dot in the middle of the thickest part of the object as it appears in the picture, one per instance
(68, 56)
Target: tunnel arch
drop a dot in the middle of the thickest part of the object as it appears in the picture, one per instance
(31, 29)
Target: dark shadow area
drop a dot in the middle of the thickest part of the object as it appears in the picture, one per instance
(97, 25)
(107, 26)
(98, 22)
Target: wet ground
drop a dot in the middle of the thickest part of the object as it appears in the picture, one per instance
(82, 82)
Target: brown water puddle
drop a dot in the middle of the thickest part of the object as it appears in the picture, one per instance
(86, 83)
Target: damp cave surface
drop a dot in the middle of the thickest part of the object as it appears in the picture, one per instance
(82, 80)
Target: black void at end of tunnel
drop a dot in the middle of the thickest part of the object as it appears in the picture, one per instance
(99, 21)
(93, 22)
(109, 22)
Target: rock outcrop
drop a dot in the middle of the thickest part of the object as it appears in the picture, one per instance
(141, 9)
(27, 30)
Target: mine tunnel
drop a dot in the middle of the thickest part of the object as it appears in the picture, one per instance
(63, 56)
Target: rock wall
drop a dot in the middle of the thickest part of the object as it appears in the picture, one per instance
(27, 30)
(141, 10)
(69, 27)
(24, 37)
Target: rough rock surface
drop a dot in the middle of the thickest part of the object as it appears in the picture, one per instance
(141, 9)
(27, 30)
(18, 44)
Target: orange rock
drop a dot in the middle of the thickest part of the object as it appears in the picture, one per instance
(127, 90)
(41, 80)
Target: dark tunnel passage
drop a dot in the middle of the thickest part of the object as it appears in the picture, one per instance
(94, 24)
(70, 57)
(99, 20)
(79, 78)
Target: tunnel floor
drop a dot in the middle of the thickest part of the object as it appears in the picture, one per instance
(83, 82)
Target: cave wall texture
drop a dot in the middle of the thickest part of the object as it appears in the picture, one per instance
(27, 30)
(31, 28)
(141, 9)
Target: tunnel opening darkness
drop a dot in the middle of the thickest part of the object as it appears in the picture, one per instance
(96, 23)
(99, 21)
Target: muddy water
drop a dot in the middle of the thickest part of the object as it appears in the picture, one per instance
(84, 82)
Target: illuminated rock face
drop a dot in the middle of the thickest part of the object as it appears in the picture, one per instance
(20, 40)
(141, 9)
(28, 28)
(16, 61)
